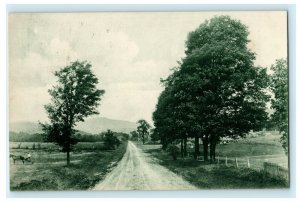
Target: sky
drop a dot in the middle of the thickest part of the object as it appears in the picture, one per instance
(129, 53)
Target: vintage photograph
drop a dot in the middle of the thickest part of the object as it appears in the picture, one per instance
(148, 101)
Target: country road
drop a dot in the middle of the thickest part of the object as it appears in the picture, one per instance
(138, 171)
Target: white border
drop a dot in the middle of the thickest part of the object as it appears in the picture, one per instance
(162, 7)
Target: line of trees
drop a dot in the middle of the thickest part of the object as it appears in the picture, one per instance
(25, 137)
(216, 91)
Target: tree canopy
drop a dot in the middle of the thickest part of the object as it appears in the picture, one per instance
(216, 91)
(73, 98)
(279, 87)
(143, 129)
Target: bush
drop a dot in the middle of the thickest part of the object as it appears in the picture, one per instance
(174, 151)
(110, 140)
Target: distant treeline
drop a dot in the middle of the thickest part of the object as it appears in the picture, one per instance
(25, 137)
(99, 137)
(81, 136)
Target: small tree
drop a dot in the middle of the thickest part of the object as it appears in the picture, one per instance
(279, 86)
(143, 129)
(110, 140)
(74, 98)
(134, 135)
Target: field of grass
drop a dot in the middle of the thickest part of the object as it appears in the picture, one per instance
(219, 176)
(257, 149)
(49, 170)
(51, 146)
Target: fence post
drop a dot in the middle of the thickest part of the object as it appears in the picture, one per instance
(248, 162)
(236, 162)
(226, 161)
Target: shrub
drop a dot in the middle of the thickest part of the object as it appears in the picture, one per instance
(110, 140)
(174, 151)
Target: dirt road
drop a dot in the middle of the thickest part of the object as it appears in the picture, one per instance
(137, 171)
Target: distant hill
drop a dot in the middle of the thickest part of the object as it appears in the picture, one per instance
(97, 125)
(26, 127)
(94, 126)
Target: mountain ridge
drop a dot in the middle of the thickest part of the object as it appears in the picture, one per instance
(92, 125)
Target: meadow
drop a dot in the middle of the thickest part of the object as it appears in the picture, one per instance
(219, 175)
(48, 171)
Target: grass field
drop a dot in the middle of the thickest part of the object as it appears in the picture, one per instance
(218, 176)
(51, 146)
(259, 149)
(49, 170)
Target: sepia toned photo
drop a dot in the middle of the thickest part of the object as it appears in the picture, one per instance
(148, 101)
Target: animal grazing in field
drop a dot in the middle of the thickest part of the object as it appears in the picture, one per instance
(14, 157)
(21, 158)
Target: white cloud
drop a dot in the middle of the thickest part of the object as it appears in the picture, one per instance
(129, 52)
(60, 52)
(27, 103)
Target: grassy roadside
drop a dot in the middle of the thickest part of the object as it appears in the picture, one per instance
(212, 176)
(56, 177)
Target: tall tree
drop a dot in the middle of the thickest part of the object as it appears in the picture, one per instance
(228, 88)
(279, 86)
(162, 119)
(217, 91)
(143, 129)
(175, 115)
(73, 98)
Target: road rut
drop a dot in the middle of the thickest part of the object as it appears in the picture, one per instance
(137, 171)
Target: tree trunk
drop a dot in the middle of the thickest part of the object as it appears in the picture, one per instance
(184, 146)
(68, 144)
(181, 148)
(213, 143)
(197, 152)
(68, 158)
(164, 144)
(205, 148)
(214, 151)
(143, 139)
(211, 152)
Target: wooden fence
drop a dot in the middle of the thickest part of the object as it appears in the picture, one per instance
(273, 164)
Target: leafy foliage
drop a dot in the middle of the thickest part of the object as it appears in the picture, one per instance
(73, 98)
(110, 140)
(134, 135)
(279, 86)
(174, 151)
(143, 129)
(216, 91)
(25, 137)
